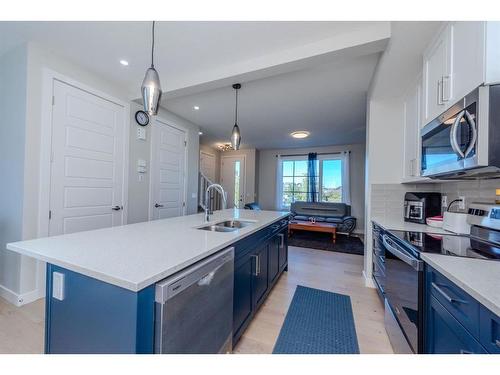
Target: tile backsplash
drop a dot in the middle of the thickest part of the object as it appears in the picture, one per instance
(387, 199)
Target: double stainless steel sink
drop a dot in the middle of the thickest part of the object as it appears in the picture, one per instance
(227, 226)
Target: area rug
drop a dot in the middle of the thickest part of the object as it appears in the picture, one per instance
(323, 241)
(318, 322)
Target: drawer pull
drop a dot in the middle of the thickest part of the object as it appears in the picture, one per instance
(446, 296)
(463, 351)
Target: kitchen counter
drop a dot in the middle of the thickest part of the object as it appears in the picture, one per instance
(400, 224)
(480, 278)
(135, 256)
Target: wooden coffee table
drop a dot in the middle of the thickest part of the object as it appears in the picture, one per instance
(313, 227)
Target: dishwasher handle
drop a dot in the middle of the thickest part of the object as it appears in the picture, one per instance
(201, 273)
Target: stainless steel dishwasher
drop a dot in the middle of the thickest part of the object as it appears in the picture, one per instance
(194, 307)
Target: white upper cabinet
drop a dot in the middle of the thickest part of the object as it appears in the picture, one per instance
(437, 73)
(468, 57)
(412, 111)
(462, 56)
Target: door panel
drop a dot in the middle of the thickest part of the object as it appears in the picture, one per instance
(260, 272)
(274, 252)
(233, 180)
(167, 171)
(86, 161)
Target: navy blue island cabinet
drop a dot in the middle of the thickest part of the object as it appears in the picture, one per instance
(93, 316)
(456, 323)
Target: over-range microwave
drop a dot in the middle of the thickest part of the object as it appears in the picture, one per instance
(464, 141)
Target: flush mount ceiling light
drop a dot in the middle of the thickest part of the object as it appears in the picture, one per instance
(196, 108)
(200, 133)
(235, 134)
(300, 134)
(124, 62)
(151, 88)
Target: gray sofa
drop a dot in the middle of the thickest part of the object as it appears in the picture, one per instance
(336, 213)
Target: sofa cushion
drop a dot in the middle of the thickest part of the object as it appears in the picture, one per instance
(334, 220)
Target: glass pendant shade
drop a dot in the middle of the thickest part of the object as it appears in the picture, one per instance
(151, 91)
(236, 137)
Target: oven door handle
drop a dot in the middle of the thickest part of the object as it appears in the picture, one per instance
(416, 264)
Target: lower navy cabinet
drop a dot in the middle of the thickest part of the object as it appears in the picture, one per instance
(490, 331)
(445, 335)
(259, 261)
(455, 323)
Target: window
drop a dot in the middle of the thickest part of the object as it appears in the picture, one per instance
(293, 180)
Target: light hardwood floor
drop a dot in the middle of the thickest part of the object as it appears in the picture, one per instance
(21, 328)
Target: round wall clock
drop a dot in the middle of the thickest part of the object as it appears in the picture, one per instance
(142, 118)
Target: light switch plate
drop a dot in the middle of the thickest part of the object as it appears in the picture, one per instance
(141, 133)
(58, 286)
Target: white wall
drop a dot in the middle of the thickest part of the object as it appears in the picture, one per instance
(138, 202)
(13, 66)
(267, 177)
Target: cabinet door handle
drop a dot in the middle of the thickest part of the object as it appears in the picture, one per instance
(440, 92)
(497, 343)
(463, 351)
(282, 240)
(256, 265)
(445, 295)
(444, 81)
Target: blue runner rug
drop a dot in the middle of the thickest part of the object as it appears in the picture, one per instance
(318, 322)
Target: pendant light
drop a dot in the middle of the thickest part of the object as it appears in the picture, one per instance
(235, 135)
(151, 88)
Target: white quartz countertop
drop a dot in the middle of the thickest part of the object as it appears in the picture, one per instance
(480, 278)
(135, 256)
(400, 224)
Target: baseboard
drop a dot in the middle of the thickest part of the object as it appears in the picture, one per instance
(19, 299)
(369, 283)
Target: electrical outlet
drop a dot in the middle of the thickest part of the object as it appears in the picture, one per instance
(444, 201)
(461, 204)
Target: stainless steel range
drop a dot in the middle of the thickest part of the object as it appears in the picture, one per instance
(398, 269)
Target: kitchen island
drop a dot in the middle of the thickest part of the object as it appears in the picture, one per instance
(104, 300)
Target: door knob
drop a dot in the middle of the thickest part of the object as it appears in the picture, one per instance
(116, 208)
(158, 205)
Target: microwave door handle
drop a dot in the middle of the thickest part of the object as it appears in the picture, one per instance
(454, 135)
(414, 263)
(473, 127)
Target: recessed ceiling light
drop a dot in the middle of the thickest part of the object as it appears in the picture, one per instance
(300, 134)
(200, 133)
(196, 108)
(124, 62)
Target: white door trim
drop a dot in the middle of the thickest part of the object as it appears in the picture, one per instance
(48, 78)
(152, 163)
(244, 176)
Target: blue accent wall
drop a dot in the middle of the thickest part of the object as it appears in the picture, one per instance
(97, 317)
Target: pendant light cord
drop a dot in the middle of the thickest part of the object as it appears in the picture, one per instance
(236, 109)
(153, 45)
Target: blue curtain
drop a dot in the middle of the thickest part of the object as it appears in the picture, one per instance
(312, 173)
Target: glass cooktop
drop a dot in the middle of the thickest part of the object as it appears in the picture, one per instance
(449, 244)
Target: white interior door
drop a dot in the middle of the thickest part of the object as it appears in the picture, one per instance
(168, 164)
(207, 165)
(233, 180)
(87, 161)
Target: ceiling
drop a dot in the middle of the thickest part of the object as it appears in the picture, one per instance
(329, 101)
(183, 49)
(295, 75)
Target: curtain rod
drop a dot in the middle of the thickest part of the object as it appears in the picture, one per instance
(318, 153)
